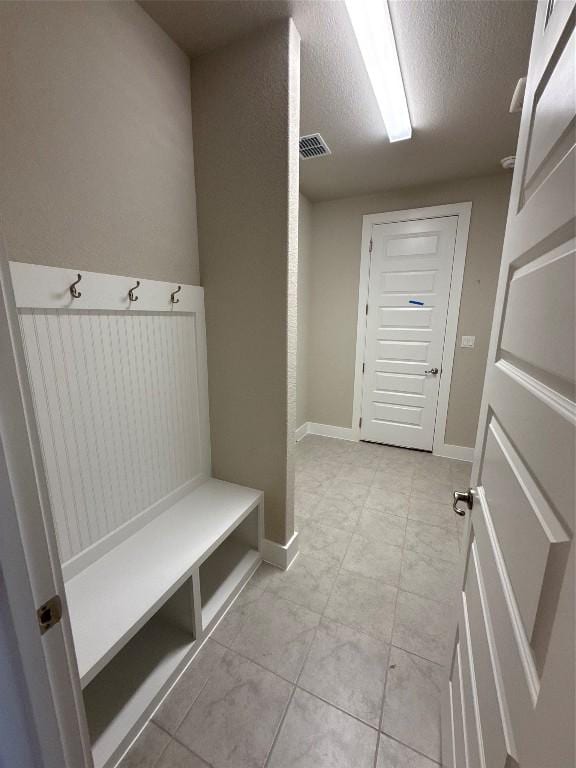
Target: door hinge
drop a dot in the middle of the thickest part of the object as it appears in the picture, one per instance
(360, 422)
(363, 367)
(49, 613)
(370, 249)
(366, 308)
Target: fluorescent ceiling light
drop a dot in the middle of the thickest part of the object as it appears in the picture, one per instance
(373, 29)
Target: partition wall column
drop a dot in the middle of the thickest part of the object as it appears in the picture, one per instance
(245, 105)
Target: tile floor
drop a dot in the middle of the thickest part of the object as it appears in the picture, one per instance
(336, 663)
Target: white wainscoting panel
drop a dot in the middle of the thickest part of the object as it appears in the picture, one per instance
(121, 402)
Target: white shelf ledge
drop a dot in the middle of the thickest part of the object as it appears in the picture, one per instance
(222, 576)
(115, 596)
(131, 684)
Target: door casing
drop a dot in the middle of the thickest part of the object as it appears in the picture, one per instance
(463, 212)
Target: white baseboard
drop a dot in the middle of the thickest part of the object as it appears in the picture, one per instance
(460, 452)
(327, 430)
(280, 555)
(302, 431)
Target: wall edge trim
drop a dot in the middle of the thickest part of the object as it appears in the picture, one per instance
(280, 555)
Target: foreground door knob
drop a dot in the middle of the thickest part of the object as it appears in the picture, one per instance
(465, 496)
(433, 371)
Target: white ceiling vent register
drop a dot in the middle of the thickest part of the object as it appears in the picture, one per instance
(313, 145)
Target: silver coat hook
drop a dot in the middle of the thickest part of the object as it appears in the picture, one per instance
(173, 294)
(74, 292)
(131, 292)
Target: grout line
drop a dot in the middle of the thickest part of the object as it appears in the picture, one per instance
(279, 729)
(412, 749)
(338, 707)
(296, 685)
(181, 743)
(416, 751)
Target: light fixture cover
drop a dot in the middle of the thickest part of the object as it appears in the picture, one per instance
(372, 26)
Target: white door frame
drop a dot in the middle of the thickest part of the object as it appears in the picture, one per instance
(29, 560)
(463, 211)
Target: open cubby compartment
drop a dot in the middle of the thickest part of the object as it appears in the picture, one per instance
(227, 569)
(126, 691)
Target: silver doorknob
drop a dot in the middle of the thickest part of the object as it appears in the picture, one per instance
(433, 371)
(465, 496)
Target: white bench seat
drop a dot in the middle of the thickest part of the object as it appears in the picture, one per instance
(116, 595)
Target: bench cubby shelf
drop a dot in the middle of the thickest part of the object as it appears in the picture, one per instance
(140, 613)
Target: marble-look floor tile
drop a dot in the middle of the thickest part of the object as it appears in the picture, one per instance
(429, 577)
(394, 455)
(423, 626)
(308, 582)
(322, 469)
(390, 501)
(436, 467)
(275, 633)
(430, 511)
(257, 584)
(177, 704)
(354, 474)
(392, 754)
(324, 543)
(146, 750)
(347, 669)
(411, 711)
(460, 474)
(374, 559)
(310, 484)
(433, 540)
(305, 502)
(177, 756)
(370, 459)
(233, 722)
(364, 604)
(424, 486)
(316, 735)
(381, 526)
(390, 480)
(300, 522)
(355, 493)
(337, 513)
(396, 468)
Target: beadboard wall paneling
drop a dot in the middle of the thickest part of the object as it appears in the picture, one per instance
(121, 402)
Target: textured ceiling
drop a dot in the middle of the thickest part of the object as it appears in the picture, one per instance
(460, 60)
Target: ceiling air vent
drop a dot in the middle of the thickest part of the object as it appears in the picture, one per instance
(313, 146)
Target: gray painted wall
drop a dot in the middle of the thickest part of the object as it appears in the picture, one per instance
(333, 296)
(96, 141)
(245, 101)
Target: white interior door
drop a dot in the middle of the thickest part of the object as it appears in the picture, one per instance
(409, 287)
(509, 700)
(45, 675)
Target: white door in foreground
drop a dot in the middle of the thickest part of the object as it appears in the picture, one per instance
(409, 286)
(509, 700)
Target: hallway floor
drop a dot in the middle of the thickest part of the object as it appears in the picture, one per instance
(336, 663)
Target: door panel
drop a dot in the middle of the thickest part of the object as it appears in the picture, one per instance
(410, 274)
(469, 693)
(458, 747)
(516, 504)
(518, 591)
(492, 718)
